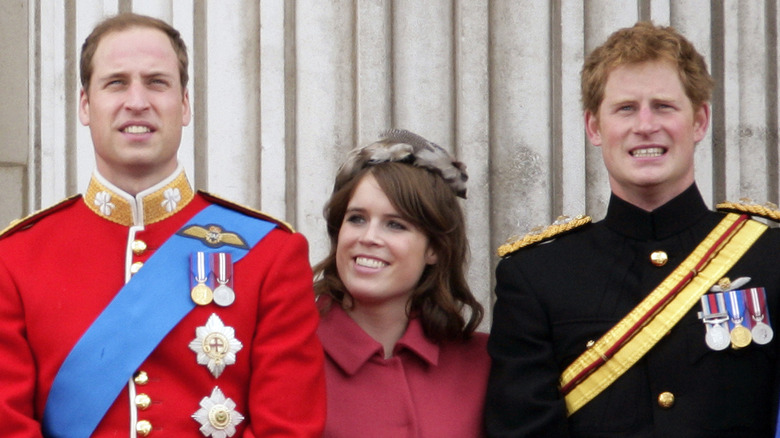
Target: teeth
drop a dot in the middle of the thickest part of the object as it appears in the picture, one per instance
(649, 152)
(369, 263)
(137, 130)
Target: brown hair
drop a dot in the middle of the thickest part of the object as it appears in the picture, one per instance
(123, 22)
(425, 200)
(645, 42)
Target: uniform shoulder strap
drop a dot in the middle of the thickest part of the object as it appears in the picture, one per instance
(28, 221)
(562, 225)
(249, 211)
(767, 210)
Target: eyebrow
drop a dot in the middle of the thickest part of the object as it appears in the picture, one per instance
(363, 210)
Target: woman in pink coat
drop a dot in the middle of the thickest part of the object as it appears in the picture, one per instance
(398, 319)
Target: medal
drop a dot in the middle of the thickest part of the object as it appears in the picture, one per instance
(717, 337)
(217, 415)
(762, 332)
(224, 294)
(215, 345)
(740, 335)
(201, 293)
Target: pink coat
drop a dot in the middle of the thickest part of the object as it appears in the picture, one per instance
(424, 390)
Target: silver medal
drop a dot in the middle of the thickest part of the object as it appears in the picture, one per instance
(224, 295)
(762, 333)
(717, 337)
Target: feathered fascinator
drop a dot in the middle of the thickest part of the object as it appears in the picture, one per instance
(400, 145)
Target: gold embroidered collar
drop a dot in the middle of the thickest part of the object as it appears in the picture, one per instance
(151, 205)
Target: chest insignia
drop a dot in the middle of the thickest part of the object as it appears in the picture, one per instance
(217, 415)
(725, 284)
(211, 278)
(224, 295)
(214, 236)
(735, 317)
(215, 345)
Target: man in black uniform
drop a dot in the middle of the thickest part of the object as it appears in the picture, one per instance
(670, 369)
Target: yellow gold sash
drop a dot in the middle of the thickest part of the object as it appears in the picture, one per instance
(625, 343)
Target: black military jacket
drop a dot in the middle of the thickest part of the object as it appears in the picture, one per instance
(555, 297)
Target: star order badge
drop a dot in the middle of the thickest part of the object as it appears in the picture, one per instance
(217, 415)
(215, 345)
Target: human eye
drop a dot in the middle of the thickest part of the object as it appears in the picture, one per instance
(398, 225)
(355, 218)
(159, 82)
(114, 83)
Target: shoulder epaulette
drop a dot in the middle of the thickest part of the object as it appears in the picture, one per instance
(747, 206)
(28, 221)
(249, 211)
(562, 225)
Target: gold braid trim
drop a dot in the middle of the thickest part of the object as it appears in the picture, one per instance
(768, 210)
(28, 221)
(562, 225)
(246, 210)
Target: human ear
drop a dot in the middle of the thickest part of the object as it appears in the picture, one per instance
(701, 120)
(592, 128)
(83, 107)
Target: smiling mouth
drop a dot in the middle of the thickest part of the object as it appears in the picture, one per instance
(648, 152)
(136, 129)
(369, 263)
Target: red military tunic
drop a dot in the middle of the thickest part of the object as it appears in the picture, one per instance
(60, 268)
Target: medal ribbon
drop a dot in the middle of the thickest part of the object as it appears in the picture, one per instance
(712, 305)
(713, 309)
(224, 269)
(721, 300)
(757, 304)
(132, 325)
(736, 308)
(705, 307)
(628, 341)
(201, 269)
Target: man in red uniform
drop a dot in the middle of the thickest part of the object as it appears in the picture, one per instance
(143, 308)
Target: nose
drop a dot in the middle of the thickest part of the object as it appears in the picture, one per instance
(136, 98)
(646, 121)
(370, 235)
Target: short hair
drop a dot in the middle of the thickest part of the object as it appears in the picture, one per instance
(126, 21)
(424, 199)
(645, 42)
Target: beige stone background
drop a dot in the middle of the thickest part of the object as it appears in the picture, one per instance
(282, 89)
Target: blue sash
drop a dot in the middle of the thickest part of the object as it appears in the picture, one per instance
(133, 324)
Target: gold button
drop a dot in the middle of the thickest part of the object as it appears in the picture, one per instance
(138, 247)
(666, 399)
(143, 401)
(659, 258)
(135, 267)
(143, 427)
(141, 378)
